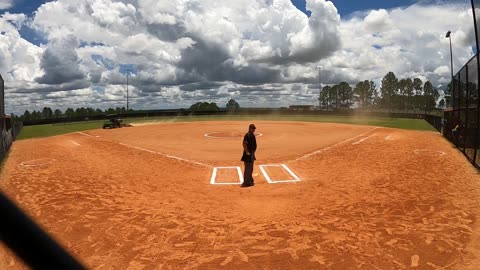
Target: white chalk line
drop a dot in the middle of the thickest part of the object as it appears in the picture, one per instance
(74, 142)
(364, 139)
(162, 154)
(214, 176)
(418, 151)
(85, 134)
(150, 151)
(270, 181)
(334, 145)
(47, 161)
(388, 137)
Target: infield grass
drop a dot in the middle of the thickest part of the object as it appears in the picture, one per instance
(37, 131)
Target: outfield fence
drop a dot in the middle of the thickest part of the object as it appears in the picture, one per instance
(462, 126)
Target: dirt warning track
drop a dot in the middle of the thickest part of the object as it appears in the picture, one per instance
(142, 198)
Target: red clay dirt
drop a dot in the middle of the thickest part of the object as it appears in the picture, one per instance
(141, 198)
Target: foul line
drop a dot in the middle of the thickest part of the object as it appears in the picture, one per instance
(88, 135)
(363, 139)
(388, 137)
(74, 142)
(85, 134)
(334, 145)
(162, 154)
(48, 161)
(150, 151)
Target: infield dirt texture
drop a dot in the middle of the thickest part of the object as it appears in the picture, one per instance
(142, 198)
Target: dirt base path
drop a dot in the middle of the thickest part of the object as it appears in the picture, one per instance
(368, 198)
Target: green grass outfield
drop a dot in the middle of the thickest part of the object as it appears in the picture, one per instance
(29, 132)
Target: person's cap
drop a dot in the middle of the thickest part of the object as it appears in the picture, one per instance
(252, 126)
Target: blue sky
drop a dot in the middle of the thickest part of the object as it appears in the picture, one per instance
(346, 7)
(26, 6)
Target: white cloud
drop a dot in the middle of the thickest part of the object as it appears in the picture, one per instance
(6, 4)
(377, 21)
(19, 59)
(442, 71)
(408, 41)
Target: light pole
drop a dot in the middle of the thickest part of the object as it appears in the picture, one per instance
(320, 90)
(451, 60)
(127, 95)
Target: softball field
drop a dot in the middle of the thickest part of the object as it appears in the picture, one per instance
(327, 196)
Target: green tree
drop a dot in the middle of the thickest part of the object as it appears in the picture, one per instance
(204, 106)
(361, 93)
(418, 99)
(90, 111)
(401, 99)
(430, 94)
(448, 95)
(69, 113)
(57, 114)
(441, 104)
(232, 105)
(409, 92)
(36, 115)
(80, 112)
(389, 89)
(373, 94)
(27, 115)
(47, 113)
(110, 111)
(334, 98)
(417, 85)
(345, 93)
(324, 96)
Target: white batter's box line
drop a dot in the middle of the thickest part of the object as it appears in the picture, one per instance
(214, 176)
(270, 181)
(334, 145)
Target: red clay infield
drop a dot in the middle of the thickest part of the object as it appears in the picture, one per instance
(142, 198)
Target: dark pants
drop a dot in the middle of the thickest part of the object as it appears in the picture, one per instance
(247, 174)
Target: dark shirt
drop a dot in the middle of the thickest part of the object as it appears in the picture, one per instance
(251, 141)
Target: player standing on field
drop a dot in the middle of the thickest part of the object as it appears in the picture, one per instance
(249, 147)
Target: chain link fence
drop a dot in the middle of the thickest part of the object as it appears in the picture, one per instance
(8, 129)
(462, 120)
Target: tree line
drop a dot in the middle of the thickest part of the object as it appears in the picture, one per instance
(48, 113)
(212, 107)
(394, 94)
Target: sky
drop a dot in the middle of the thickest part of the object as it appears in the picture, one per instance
(262, 53)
